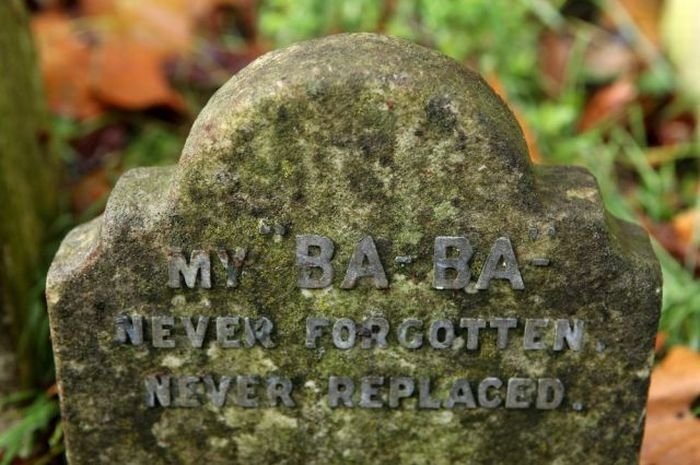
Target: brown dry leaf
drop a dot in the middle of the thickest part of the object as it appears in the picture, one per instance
(687, 227)
(530, 138)
(672, 434)
(167, 25)
(130, 75)
(607, 104)
(97, 7)
(645, 14)
(164, 25)
(660, 341)
(554, 53)
(65, 65)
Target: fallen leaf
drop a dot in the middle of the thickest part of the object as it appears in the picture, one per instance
(672, 433)
(669, 236)
(130, 75)
(687, 227)
(607, 104)
(554, 53)
(645, 14)
(163, 25)
(660, 341)
(97, 7)
(65, 64)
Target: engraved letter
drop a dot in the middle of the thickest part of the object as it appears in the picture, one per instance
(312, 265)
(402, 334)
(129, 328)
(187, 392)
(473, 326)
(483, 393)
(501, 264)
(550, 393)
(226, 327)
(532, 338)
(503, 325)
(217, 395)
(349, 326)
(258, 330)
(233, 267)
(369, 397)
(340, 390)
(573, 336)
(199, 264)
(196, 336)
(400, 387)
(518, 392)
(245, 388)
(157, 388)
(374, 330)
(461, 393)
(459, 264)
(280, 389)
(313, 330)
(424, 399)
(160, 329)
(365, 263)
(442, 334)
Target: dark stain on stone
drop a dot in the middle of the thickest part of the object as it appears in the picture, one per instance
(440, 115)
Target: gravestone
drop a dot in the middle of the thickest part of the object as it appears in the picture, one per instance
(354, 262)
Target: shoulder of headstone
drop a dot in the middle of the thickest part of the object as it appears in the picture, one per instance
(133, 213)
(573, 192)
(77, 251)
(137, 204)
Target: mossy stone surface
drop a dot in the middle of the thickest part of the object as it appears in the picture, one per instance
(348, 136)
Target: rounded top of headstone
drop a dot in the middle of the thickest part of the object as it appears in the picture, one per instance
(366, 93)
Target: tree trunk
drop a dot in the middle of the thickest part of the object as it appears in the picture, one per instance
(26, 190)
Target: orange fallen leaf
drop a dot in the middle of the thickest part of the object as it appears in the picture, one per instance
(687, 227)
(97, 7)
(130, 75)
(660, 341)
(607, 104)
(65, 64)
(672, 433)
(646, 15)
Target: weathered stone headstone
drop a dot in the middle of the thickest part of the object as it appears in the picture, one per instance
(354, 262)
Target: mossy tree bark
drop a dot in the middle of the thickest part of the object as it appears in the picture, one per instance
(26, 194)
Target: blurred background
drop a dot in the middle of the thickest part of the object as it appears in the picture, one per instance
(108, 85)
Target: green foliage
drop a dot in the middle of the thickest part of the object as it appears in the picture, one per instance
(287, 21)
(21, 438)
(681, 314)
(155, 145)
